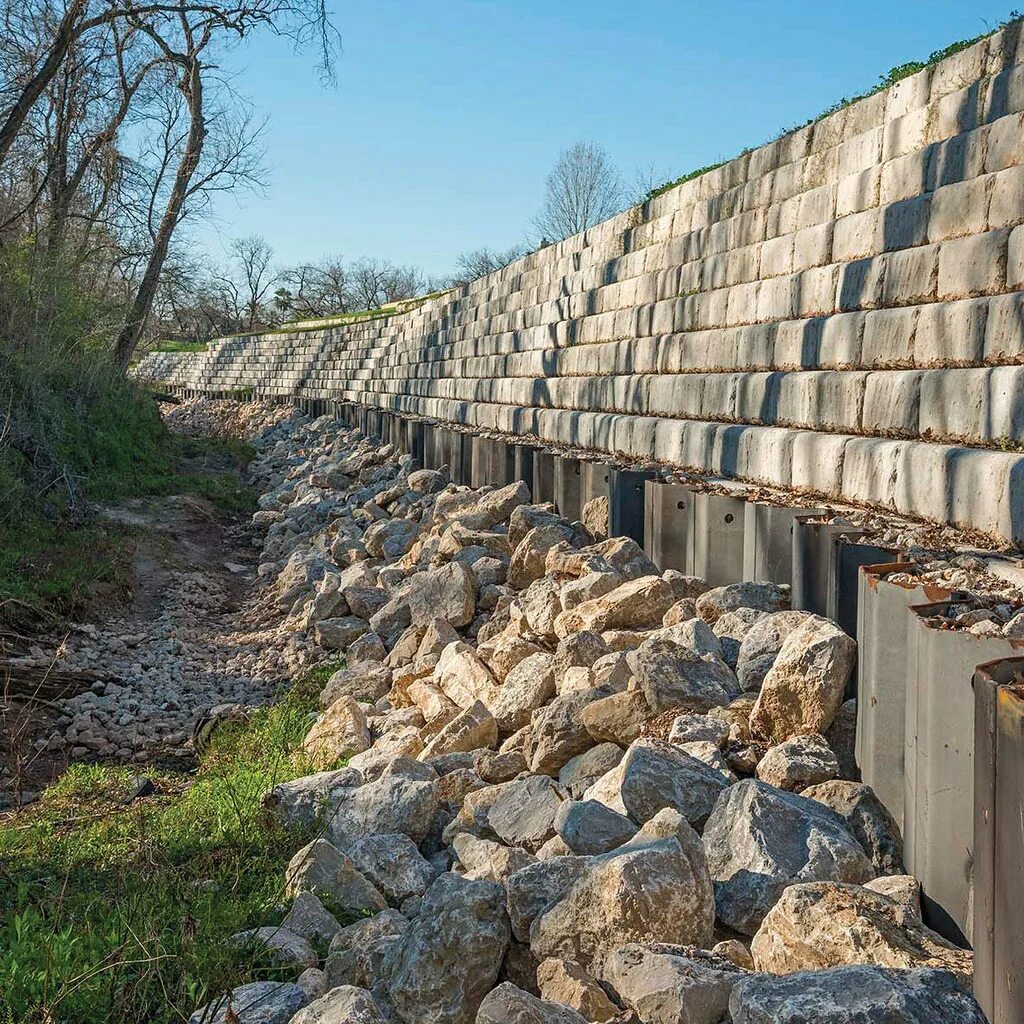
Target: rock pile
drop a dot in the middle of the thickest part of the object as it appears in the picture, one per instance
(574, 788)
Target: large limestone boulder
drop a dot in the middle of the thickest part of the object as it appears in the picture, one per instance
(853, 995)
(471, 729)
(390, 538)
(655, 888)
(463, 677)
(449, 958)
(322, 869)
(666, 984)
(394, 864)
(487, 860)
(565, 982)
(759, 840)
(309, 918)
(260, 1002)
(803, 690)
(344, 1004)
(401, 801)
(588, 827)
(337, 634)
(443, 593)
(340, 732)
(637, 604)
(280, 946)
(761, 645)
(302, 802)
(508, 1004)
(798, 763)
(867, 818)
(367, 682)
(585, 769)
(528, 558)
(763, 597)
(827, 924)
(482, 509)
(524, 813)
(672, 676)
(618, 718)
(558, 733)
(534, 888)
(530, 685)
(654, 775)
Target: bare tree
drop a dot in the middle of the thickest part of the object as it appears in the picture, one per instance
(254, 257)
(376, 282)
(317, 289)
(582, 189)
(483, 261)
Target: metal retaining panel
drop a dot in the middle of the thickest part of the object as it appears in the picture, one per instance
(543, 488)
(568, 486)
(668, 524)
(998, 842)
(717, 538)
(938, 795)
(768, 541)
(882, 628)
(626, 504)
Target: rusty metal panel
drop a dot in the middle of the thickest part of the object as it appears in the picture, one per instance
(668, 524)
(882, 639)
(999, 840)
(938, 794)
(718, 538)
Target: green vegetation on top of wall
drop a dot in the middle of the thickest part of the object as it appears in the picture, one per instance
(889, 79)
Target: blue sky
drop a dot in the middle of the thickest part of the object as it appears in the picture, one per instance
(447, 116)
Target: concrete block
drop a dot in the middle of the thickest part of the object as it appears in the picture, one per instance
(1005, 94)
(1004, 328)
(818, 462)
(860, 284)
(816, 291)
(870, 468)
(905, 134)
(954, 113)
(889, 337)
(905, 176)
(777, 256)
(908, 94)
(776, 299)
(960, 209)
(892, 400)
(911, 276)
(973, 266)
(817, 205)
(859, 152)
(812, 246)
(1005, 404)
(1015, 259)
(742, 305)
(951, 333)
(903, 224)
(757, 396)
(955, 404)
(859, 191)
(855, 236)
(1006, 200)
(1005, 146)
(822, 399)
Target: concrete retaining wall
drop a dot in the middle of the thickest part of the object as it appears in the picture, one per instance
(838, 310)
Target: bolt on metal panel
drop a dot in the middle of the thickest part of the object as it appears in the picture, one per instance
(717, 538)
(668, 525)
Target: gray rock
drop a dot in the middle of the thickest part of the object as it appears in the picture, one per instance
(760, 839)
(579, 774)
(323, 869)
(671, 676)
(302, 803)
(282, 947)
(309, 918)
(366, 682)
(655, 888)
(764, 597)
(344, 1004)
(524, 813)
(699, 728)
(654, 775)
(730, 629)
(867, 818)
(260, 1002)
(337, 634)
(666, 984)
(588, 827)
(394, 864)
(692, 633)
(533, 889)
(449, 958)
(507, 1004)
(558, 734)
(798, 763)
(403, 800)
(761, 645)
(853, 995)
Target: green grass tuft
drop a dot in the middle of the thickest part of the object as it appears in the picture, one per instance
(122, 913)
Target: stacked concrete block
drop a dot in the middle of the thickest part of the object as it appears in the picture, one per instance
(840, 310)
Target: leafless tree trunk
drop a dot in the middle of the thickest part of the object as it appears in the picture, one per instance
(582, 189)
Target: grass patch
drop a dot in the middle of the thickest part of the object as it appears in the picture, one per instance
(122, 913)
(180, 346)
